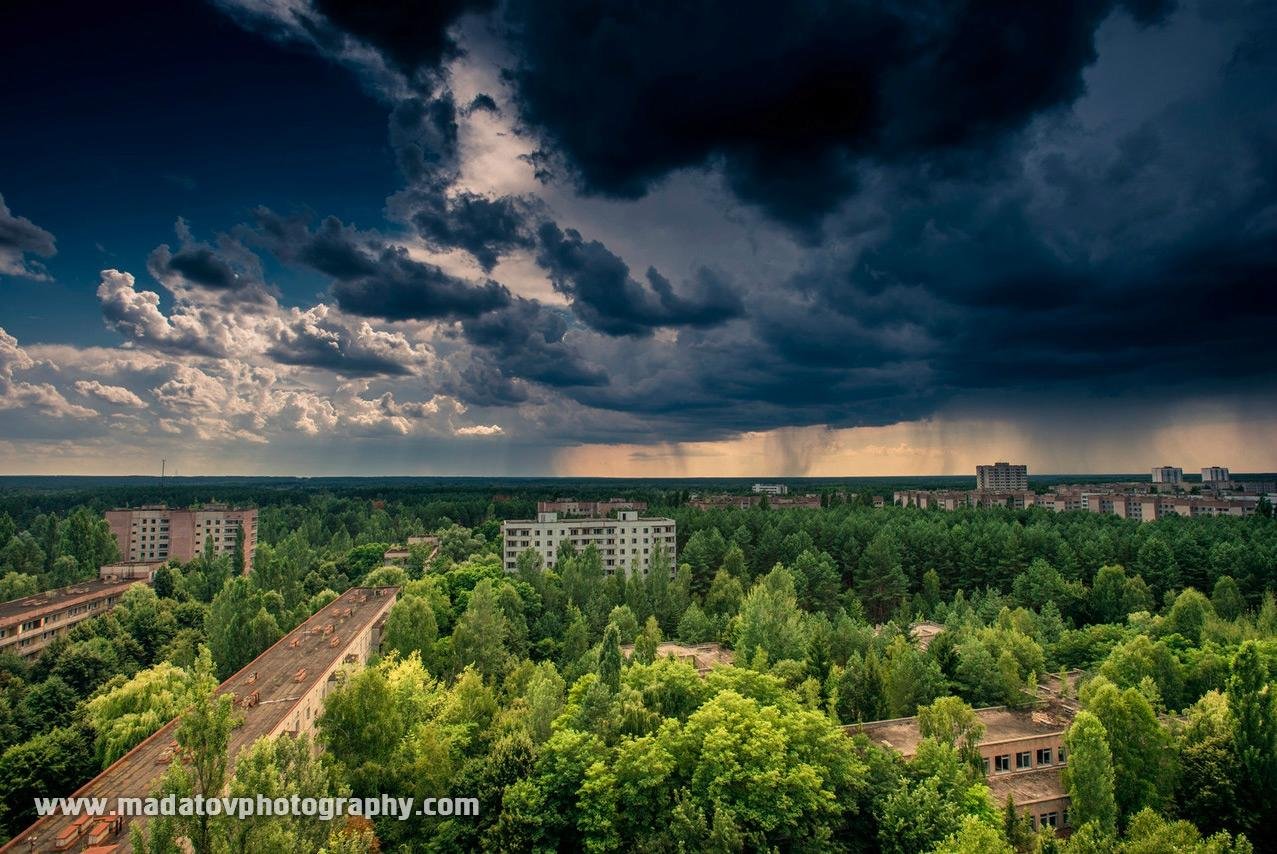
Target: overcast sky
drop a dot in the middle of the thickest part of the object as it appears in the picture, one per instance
(662, 238)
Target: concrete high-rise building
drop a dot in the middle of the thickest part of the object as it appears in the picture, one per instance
(159, 532)
(1215, 474)
(1001, 477)
(1168, 474)
(625, 543)
(771, 488)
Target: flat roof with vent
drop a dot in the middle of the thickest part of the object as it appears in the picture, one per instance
(266, 692)
(28, 607)
(1001, 724)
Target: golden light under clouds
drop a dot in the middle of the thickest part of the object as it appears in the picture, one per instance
(941, 446)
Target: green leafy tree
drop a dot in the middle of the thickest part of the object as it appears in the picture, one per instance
(22, 554)
(646, 644)
(48, 765)
(86, 537)
(771, 621)
(238, 626)
(480, 635)
(164, 582)
(1227, 598)
(203, 734)
(695, 627)
(280, 767)
(129, 712)
(952, 722)
(411, 627)
(1089, 775)
(1252, 707)
(16, 585)
(1143, 763)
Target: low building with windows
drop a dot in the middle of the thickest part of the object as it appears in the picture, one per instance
(398, 555)
(1022, 750)
(626, 544)
(29, 624)
(280, 692)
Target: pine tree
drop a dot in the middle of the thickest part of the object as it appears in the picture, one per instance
(610, 659)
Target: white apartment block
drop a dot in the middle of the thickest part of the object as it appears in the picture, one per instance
(1215, 474)
(625, 543)
(771, 488)
(1168, 474)
(1002, 477)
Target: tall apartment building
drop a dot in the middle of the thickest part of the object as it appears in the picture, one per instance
(280, 692)
(29, 624)
(1001, 477)
(771, 488)
(1215, 474)
(159, 532)
(625, 543)
(1168, 474)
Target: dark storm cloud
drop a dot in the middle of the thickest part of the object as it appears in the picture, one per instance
(228, 271)
(789, 97)
(607, 298)
(372, 278)
(412, 35)
(423, 135)
(483, 102)
(526, 340)
(487, 228)
(20, 237)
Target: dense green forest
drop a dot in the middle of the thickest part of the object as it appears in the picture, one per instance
(512, 687)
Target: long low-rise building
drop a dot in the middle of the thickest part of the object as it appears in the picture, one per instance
(1022, 750)
(1144, 506)
(30, 624)
(626, 543)
(280, 692)
(747, 502)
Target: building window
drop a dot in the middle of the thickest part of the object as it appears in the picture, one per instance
(1023, 760)
(1002, 763)
(1044, 756)
(1062, 760)
(985, 760)
(1049, 819)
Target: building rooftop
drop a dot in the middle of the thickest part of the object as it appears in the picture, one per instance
(924, 633)
(265, 691)
(702, 656)
(582, 520)
(1001, 724)
(59, 597)
(1028, 787)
